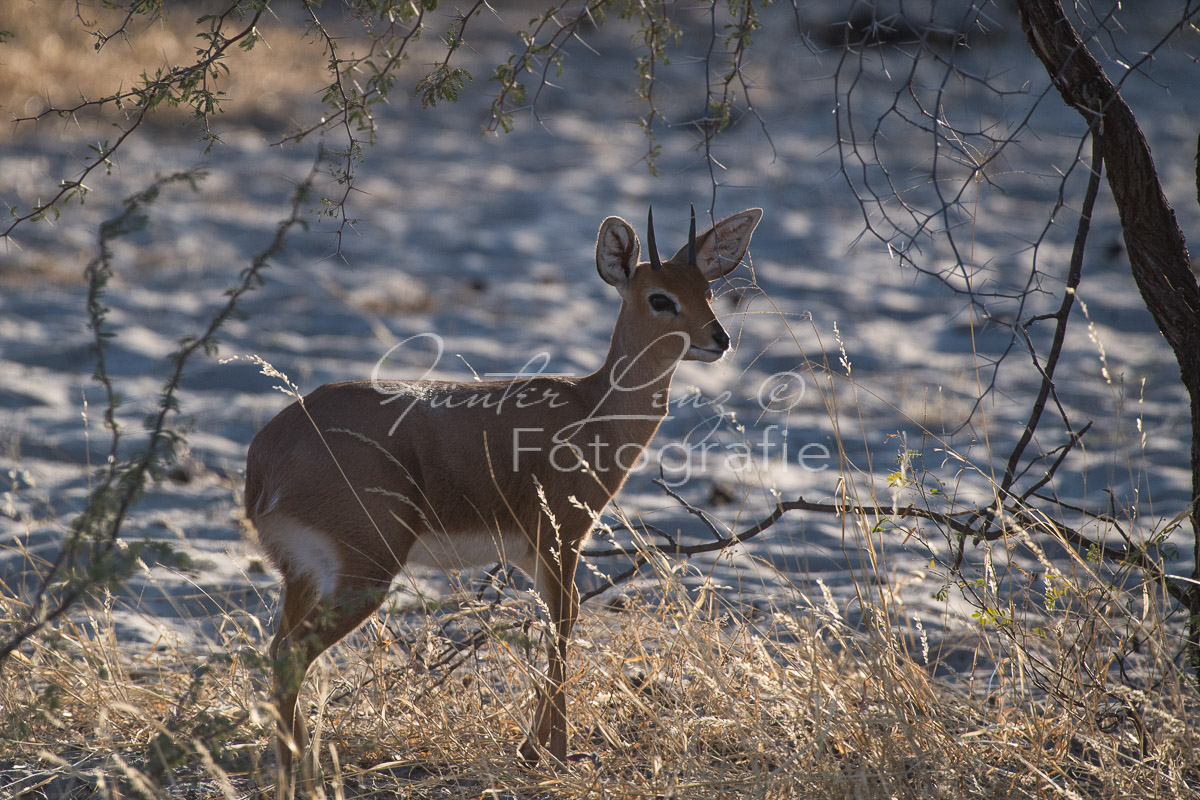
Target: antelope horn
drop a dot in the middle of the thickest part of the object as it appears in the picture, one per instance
(692, 240)
(655, 263)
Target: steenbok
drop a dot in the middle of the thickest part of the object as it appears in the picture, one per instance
(358, 479)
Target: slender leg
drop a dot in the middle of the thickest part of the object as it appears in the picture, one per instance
(307, 629)
(556, 584)
(299, 599)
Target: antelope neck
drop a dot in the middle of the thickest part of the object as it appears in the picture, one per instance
(635, 379)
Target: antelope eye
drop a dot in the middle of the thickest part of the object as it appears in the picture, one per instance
(660, 302)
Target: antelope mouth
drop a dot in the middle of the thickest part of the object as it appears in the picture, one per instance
(695, 353)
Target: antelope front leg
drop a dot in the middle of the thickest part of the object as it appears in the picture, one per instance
(549, 723)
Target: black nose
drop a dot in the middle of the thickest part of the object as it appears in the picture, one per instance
(720, 337)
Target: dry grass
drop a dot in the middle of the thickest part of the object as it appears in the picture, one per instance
(51, 60)
(676, 699)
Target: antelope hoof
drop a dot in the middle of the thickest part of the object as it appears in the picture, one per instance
(529, 752)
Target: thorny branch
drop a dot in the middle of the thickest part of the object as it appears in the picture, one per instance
(102, 520)
(719, 108)
(548, 53)
(175, 86)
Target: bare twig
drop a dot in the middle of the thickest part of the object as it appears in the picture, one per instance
(1061, 317)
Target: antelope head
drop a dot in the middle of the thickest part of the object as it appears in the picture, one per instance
(672, 298)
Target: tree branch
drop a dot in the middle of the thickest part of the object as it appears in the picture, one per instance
(1061, 317)
(1157, 250)
(109, 504)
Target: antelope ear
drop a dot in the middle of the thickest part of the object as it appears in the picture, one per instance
(617, 250)
(722, 248)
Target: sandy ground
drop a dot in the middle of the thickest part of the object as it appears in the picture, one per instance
(487, 241)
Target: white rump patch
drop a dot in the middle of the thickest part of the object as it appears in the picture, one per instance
(301, 551)
(463, 550)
